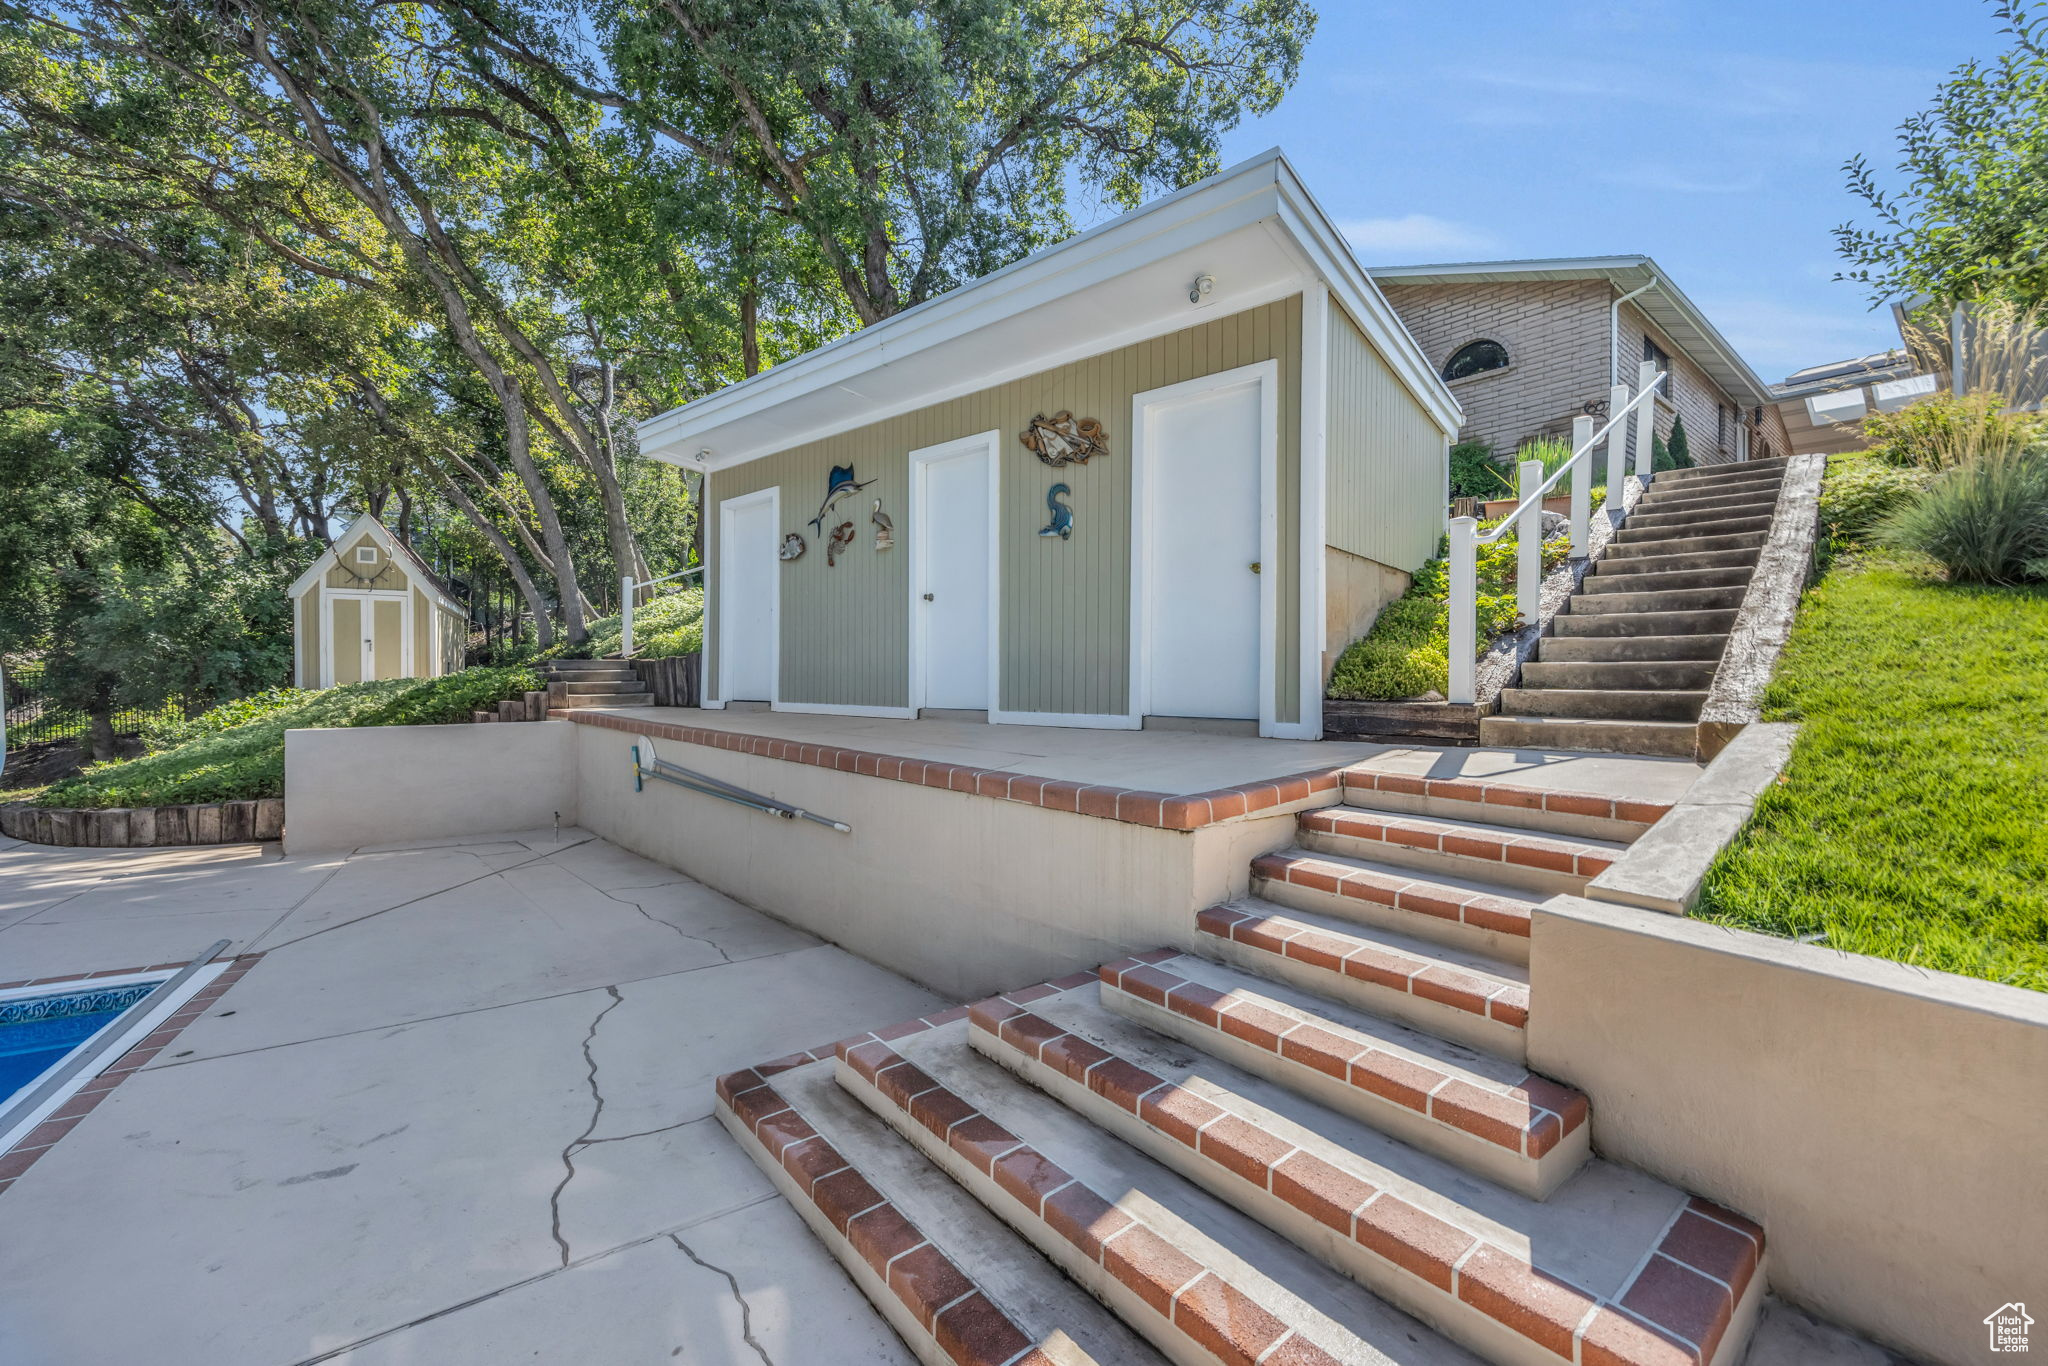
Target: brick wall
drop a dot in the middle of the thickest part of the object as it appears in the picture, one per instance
(1556, 335)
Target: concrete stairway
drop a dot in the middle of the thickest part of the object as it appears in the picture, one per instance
(1310, 1139)
(574, 683)
(1627, 663)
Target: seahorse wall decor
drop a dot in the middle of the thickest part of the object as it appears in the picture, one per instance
(1062, 523)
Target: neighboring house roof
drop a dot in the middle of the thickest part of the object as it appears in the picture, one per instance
(1678, 317)
(1253, 229)
(426, 578)
(1881, 365)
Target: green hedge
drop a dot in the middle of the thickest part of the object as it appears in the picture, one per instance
(236, 751)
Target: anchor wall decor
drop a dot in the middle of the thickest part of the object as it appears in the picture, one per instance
(1063, 439)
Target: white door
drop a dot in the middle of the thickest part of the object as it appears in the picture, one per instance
(1203, 488)
(748, 595)
(952, 533)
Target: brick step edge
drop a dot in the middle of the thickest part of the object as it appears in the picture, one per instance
(1677, 1307)
(1539, 850)
(1529, 1121)
(927, 1299)
(1161, 1292)
(145, 827)
(1418, 896)
(1505, 803)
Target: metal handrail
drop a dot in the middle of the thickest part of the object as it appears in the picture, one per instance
(1583, 448)
(628, 586)
(703, 783)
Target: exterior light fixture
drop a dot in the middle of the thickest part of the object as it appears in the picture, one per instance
(1201, 288)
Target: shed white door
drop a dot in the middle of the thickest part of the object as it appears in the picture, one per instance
(748, 584)
(367, 634)
(1203, 485)
(950, 588)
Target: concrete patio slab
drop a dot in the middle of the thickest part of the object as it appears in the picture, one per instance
(462, 1096)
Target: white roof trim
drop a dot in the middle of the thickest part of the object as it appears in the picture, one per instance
(1725, 364)
(1263, 192)
(377, 532)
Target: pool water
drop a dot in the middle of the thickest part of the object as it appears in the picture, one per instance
(37, 1032)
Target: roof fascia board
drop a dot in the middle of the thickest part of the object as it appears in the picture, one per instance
(327, 560)
(1331, 256)
(377, 532)
(1759, 392)
(1180, 219)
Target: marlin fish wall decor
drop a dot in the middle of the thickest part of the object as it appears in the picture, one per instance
(838, 489)
(1062, 524)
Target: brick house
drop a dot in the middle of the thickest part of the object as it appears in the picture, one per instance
(1529, 345)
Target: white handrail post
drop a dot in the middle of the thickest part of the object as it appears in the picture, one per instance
(1617, 451)
(626, 586)
(1529, 545)
(1646, 420)
(1582, 485)
(1464, 607)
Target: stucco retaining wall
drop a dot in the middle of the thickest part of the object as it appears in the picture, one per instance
(965, 894)
(383, 784)
(1882, 1122)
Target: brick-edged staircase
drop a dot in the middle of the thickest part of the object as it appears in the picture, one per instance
(574, 683)
(1626, 664)
(1311, 1138)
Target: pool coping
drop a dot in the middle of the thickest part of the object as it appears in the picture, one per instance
(19, 1156)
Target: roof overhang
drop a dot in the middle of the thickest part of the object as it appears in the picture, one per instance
(1664, 303)
(1253, 229)
(422, 577)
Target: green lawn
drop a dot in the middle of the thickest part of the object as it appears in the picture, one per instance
(1912, 822)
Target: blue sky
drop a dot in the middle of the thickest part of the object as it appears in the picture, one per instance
(1707, 134)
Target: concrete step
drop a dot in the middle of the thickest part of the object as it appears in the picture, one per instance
(1538, 862)
(1206, 1284)
(575, 701)
(1547, 734)
(1668, 600)
(1504, 803)
(1619, 649)
(1489, 918)
(1514, 1279)
(1615, 552)
(953, 1281)
(1665, 564)
(607, 687)
(1477, 1001)
(1687, 528)
(1610, 625)
(1737, 576)
(589, 665)
(1643, 518)
(1494, 1119)
(1629, 675)
(1718, 474)
(1677, 501)
(1604, 704)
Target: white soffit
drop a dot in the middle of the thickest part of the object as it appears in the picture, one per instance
(1251, 228)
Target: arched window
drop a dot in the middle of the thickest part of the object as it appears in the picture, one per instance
(1476, 358)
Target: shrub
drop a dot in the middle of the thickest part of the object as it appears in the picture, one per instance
(1474, 471)
(1679, 447)
(1983, 522)
(230, 759)
(672, 624)
(1859, 493)
(1945, 431)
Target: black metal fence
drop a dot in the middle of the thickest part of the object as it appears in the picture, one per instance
(34, 717)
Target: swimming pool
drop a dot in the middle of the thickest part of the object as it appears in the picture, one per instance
(38, 1032)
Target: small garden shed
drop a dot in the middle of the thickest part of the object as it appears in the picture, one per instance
(1159, 473)
(370, 608)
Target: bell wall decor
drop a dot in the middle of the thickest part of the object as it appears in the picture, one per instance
(1064, 439)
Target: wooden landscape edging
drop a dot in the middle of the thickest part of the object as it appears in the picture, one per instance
(145, 827)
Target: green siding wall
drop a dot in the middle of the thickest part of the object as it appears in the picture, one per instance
(1386, 486)
(1065, 606)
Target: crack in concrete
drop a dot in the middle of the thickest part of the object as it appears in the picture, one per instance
(644, 1133)
(746, 1310)
(582, 1139)
(426, 896)
(648, 915)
